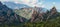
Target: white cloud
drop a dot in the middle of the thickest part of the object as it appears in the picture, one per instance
(31, 3)
(43, 6)
(3, 0)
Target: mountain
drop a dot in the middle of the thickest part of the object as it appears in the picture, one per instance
(8, 16)
(27, 12)
(39, 17)
(15, 5)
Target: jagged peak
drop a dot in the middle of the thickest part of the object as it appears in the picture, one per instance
(1, 3)
(54, 7)
(4, 6)
(53, 10)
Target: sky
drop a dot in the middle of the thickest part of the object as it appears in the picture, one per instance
(39, 3)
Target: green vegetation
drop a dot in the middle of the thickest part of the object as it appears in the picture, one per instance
(53, 23)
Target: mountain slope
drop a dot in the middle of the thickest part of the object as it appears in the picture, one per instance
(39, 17)
(27, 12)
(8, 16)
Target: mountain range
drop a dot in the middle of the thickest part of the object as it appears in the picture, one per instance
(15, 5)
(27, 12)
(31, 14)
(25, 16)
(16, 15)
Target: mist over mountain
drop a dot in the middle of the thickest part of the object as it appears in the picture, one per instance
(14, 5)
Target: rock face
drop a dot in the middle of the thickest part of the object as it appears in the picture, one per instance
(27, 12)
(38, 16)
(24, 12)
(8, 16)
(53, 10)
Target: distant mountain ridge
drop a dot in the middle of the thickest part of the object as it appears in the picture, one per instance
(15, 5)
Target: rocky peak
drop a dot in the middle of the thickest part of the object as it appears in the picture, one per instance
(0, 3)
(53, 10)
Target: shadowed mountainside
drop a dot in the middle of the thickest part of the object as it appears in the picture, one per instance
(8, 16)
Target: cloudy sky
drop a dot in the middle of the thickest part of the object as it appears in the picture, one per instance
(39, 3)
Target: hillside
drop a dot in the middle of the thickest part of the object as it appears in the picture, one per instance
(8, 16)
